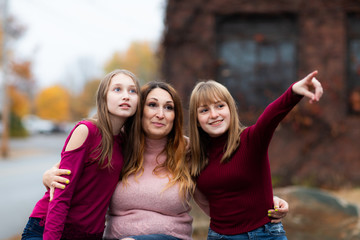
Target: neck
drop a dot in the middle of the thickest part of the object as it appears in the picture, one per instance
(117, 124)
(155, 145)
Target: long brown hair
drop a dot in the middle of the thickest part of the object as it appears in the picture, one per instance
(176, 162)
(207, 92)
(102, 120)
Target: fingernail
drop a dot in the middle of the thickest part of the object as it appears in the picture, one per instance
(63, 187)
(68, 172)
(269, 211)
(269, 215)
(276, 209)
(67, 181)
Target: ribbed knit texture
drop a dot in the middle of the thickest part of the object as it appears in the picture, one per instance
(78, 211)
(145, 207)
(240, 191)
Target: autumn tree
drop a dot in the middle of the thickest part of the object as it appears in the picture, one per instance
(19, 102)
(82, 104)
(16, 83)
(140, 58)
(53, 103)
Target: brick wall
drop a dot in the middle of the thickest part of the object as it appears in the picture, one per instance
(315, 145)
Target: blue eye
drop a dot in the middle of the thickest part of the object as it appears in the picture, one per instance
(203, 110)
(117, 89)
(133, 91)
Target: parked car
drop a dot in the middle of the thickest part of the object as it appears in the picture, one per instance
(36, 125)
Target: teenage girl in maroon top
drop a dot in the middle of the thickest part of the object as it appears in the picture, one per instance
(232, 162)
(93, 154)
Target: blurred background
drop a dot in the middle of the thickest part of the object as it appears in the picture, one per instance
(53, 54)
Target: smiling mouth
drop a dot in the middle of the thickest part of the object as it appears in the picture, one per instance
(216, 122)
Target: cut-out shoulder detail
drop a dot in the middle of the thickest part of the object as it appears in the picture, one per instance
(78, 137)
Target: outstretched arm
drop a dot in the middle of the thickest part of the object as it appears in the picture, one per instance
(309, 87)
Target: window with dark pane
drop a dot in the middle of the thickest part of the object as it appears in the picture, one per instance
(257, 57)
(354, 63)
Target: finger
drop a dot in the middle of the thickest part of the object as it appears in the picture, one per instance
(282, 210)
(309, 95)
(275, 220)
(51, 193)
(276, 202)
(57, 185)
(60, 179)
(318, 89)
(283, 206)
(276, 215)
(310, 76)
(59, 172)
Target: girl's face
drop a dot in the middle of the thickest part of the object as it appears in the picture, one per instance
(158, 115)
(122, 97)
(214, 118)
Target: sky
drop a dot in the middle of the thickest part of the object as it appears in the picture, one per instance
(67, 39)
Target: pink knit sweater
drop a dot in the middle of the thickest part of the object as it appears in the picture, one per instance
(145, 207)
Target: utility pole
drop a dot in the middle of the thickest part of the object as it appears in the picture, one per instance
(5, 109)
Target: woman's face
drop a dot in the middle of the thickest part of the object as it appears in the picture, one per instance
(158, 114)
(214, 118)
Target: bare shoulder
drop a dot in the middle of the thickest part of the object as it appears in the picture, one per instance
(78, 137)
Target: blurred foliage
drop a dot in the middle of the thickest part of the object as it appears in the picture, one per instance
(140, 58)
(53, 103)
(82, 104)
(18, 85)
(19, 102)
(23, 70)
(16, 127)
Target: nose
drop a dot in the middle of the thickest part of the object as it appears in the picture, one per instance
(213, 113)
(125, 95)
(160, 113)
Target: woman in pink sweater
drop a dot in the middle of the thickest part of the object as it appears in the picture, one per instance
(152, 200)
(93, 154)
(232, 162)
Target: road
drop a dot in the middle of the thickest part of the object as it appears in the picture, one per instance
(21, 178)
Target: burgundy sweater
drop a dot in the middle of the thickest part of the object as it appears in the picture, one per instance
(240, 191)
(78, 211)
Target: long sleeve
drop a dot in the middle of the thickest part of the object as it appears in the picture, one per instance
(273, 114)
(78, 211)
(58, 208)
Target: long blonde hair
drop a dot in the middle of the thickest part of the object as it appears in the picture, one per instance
(176, 147)
(102, 121)
(206, 92)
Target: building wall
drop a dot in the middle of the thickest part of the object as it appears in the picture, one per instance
(315, 145)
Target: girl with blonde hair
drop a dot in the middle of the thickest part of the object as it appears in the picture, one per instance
(231, 161)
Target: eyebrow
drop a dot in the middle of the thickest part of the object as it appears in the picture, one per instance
(120, 84)
(154, 98)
